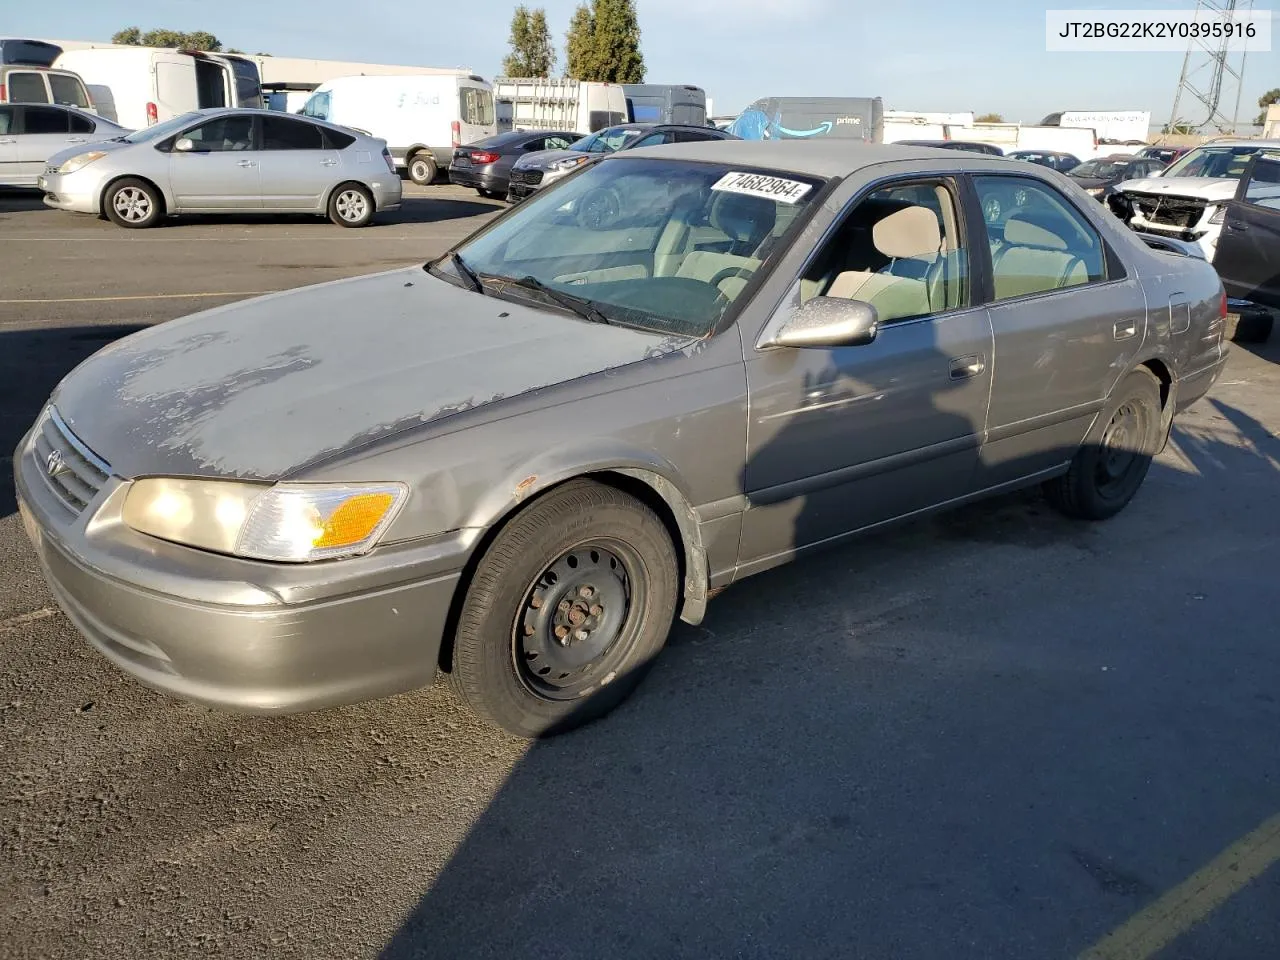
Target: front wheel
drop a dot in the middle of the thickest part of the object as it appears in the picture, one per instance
(1109, 468)
(566, 612)
(134, 204)
(351, 206)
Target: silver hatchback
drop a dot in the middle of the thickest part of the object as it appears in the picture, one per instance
(227, 161)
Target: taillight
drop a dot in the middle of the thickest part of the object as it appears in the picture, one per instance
(1222, 307)
(484, 156)
(457, 133)
(386, 155)
(3, 97)
(152, 114)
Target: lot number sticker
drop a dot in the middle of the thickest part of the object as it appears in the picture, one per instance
(759, 185)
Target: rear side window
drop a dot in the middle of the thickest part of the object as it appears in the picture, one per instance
(279, 133)
(1039, 241)
(26, 87)
(336, 140)
(80, 124)
(45, 120)
(68, 91)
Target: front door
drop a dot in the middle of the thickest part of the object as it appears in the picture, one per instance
(1067, 322)
(1248, 253)
(840, 439)
(297, 169)
(221, 172)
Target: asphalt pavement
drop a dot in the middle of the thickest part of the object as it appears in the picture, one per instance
(992, 734)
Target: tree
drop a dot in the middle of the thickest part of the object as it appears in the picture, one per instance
(579, 50)
(989, 118)
(531, 52)
(1264, 101)
(616, 42)
(196, 40)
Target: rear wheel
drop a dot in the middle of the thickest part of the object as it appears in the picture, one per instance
(351, 206)
(134, 204)
(422, 168)
(1110, 466)
(567, 610)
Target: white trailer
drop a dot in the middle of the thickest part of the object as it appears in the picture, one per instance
(560, 104)
(1118, 125)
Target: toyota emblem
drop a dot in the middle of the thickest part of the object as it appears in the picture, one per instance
(53, 464)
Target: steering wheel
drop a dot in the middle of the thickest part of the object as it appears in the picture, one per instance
(728, 272)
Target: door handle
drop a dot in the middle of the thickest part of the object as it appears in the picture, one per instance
(1124, 329)
(76, 139)
(245, 163)
(964, 367)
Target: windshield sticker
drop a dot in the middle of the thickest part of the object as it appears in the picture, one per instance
(759, 185)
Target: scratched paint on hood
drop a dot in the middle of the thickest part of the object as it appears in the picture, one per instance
(256, 389)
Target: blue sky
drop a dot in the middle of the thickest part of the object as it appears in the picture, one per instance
(917, 54)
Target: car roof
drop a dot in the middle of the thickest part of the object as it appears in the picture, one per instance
(827, 157)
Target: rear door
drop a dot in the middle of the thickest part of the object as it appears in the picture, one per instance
(45, 131)
(297, 169)
(475, 113)
(8, 144)
(222, 172)
(176, 91)
(26, 86)
(1248, 253)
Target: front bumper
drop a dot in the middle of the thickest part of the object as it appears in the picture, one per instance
(238, 634)
(78, 192)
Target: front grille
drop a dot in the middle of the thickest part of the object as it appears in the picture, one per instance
(1171, 211)
(530, 177)
(71, 469)
(50, 168)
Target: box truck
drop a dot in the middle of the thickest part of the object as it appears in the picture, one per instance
(559, 104)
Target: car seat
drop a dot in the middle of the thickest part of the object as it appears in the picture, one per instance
(912, 232)
(747, 222)
(1034, 258)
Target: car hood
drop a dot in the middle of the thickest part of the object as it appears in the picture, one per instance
(103, 146)
(1204, 188)
(259, 389)
(542, 159)
(1088, 183)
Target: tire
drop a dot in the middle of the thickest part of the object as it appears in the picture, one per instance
(133, 204)
(1252, 327)
(1110, 466)
(583, 554)
(422, 169)
(351, 205)
(490, 194)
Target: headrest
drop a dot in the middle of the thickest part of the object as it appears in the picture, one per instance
(742, 217)
(1024, 233)
(911, 232)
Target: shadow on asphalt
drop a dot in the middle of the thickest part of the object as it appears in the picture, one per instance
(14, 200)
(32, 362)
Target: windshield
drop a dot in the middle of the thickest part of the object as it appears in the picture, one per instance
(664, 245)
(607, 141)
(161, 130)
(1100, 168)
(1209, 161)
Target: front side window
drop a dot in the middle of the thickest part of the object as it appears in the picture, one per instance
(26, 87)
(657, 244)
(279, 133)
(223, 134)
(1039, 241)
(556, 143)
(317, 106)
(900, 249)
(1264, 184)
(6, 120)
(68, 91)
(45, 120)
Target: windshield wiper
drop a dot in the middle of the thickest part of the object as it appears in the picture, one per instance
(466, 273)
(579, 305)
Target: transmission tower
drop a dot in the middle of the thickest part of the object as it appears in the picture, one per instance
(1212, 74)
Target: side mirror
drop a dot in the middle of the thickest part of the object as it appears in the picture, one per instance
(828, 322)
(184, 145)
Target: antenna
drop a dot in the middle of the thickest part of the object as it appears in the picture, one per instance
(1212, 73)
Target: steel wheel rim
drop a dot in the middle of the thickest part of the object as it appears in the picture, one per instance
(1122, 448)
(352, 205)
(131, 204)
(420, 169)
(579, 620)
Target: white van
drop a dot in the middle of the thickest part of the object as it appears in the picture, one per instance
(422, 118)
(149, 85)
(27, 75)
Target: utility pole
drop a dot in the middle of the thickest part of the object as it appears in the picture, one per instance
(1212, 74)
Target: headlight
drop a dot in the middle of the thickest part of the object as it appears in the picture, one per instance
(80, 160)
(288, 522)
(1219, 215)
(569, 163)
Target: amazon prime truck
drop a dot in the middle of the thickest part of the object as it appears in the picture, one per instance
(795, 118)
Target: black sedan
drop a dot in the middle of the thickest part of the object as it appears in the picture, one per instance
(972, 146)
(486, 164)
(1053, 159)
(1098, 176)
